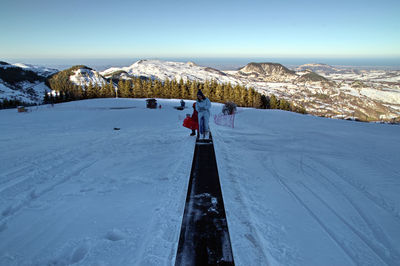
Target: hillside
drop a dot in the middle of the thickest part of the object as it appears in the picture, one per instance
(163, 70)
(326, 92)
(312, 77)
(22, 83)
(321, 94)
(79, 82)
(267, 72)
(324, 68)
(297, 189)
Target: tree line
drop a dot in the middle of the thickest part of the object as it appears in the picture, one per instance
(139, 87)
(13, 103)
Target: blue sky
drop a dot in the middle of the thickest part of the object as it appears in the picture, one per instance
(118, 29)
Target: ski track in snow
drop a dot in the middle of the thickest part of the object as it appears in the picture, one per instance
(58, 185)
(28, 188)
(344, 207)
(298, 190)
(380, 245)
(257, 256)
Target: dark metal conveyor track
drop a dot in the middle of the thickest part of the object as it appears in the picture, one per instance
(204, 237)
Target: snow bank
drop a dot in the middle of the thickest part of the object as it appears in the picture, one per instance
(298, 190)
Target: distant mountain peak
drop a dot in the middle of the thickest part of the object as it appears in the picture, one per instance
(190, 63)
(266, 68)
(312, 77)
(317, 67)
(267, 71)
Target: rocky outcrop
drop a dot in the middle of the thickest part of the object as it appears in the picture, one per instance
(358, 84)
(313, 78)
(215, 71)
(273, 72)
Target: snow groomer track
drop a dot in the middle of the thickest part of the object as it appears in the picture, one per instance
(204, 237)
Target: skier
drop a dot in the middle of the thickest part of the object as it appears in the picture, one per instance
(203, 106)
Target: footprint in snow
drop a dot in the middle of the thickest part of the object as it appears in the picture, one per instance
(115, 235)
(79, 253)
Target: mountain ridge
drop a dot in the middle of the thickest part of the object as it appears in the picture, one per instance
(332, 94)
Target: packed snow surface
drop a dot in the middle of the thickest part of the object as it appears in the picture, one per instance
(298, 190)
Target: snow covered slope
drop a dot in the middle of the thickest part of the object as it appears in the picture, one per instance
(22, 82)
(40, 70)
(73, 190)
(84, 76)
(171, 70)
(298, 190)
(302, 190)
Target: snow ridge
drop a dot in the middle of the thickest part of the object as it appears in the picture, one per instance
(86, 76)
(163, 70)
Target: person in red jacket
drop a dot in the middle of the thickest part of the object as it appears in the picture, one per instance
(192, 122)
(195, 121)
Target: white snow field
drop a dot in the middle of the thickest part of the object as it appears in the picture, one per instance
(298, 190)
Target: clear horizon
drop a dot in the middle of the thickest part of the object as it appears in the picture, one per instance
(207, 29)
(101, 64)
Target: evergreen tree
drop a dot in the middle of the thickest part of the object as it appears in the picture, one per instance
(219, 93)
(175, 92)
(273, 102)
(284, 105)
(258, 103)
(91, 91)
(236, 95)
(111, 90)
(122, 89)
(243, 96)
(250, 97)
(184, 92)
(206, 89)
(46, 98)
(265, 102)
(193, 90)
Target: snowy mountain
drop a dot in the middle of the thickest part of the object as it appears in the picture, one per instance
(297, 189)
(79, 75)
(272, 72)
(162, 70)
(83, 75)
(323, 90)
(25, 83)
(328, 93)
(40, 70)
(318, 68)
